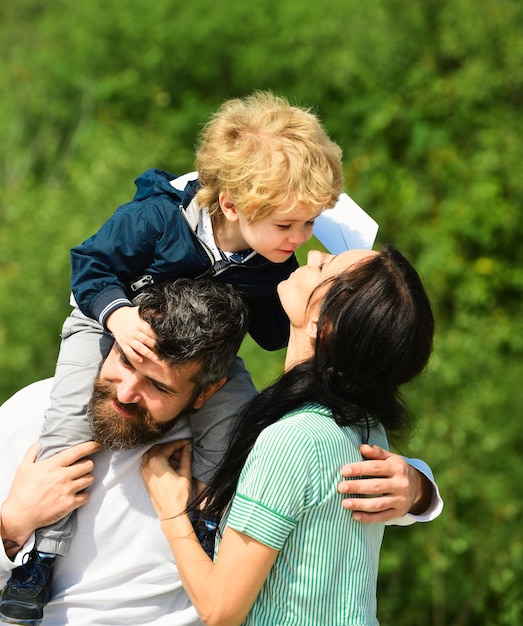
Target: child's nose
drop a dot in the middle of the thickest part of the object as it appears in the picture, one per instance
(299, 236)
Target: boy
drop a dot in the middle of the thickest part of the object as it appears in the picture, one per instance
(265, 171)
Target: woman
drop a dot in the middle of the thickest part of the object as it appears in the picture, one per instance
(361, 326)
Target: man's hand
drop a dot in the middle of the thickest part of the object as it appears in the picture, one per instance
(395, 487)
(44, 492)
(134, 336)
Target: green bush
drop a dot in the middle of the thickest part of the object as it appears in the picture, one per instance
(425, 99)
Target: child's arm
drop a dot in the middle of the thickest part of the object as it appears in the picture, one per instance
(134, 336)
(269, 325)
(118, 255)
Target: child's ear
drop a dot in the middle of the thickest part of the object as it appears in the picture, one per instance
(227, 206)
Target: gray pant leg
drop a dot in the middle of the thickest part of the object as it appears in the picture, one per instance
(84, 345)
(213, 422)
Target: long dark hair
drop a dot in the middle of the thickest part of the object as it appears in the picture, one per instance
(375, 332)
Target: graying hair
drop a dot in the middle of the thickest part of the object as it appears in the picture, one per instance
(196, 320)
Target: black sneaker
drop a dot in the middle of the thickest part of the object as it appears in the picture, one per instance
(27, 591)
(205, 531)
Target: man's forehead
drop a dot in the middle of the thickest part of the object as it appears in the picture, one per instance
(177, 378)
(173, 377)
(185, 373)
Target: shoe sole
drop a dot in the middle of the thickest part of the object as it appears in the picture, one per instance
(25, 622)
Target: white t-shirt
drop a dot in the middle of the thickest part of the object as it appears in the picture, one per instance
(119, 569)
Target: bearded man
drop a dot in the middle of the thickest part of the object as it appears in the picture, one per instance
(118, 569)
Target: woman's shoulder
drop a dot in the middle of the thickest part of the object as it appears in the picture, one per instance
(308, 410)
(314, 422)
(309, 422)
(302, 416)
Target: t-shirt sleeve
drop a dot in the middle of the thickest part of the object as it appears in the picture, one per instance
(279, 481)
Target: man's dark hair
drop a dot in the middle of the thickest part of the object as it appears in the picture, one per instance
(196, 320)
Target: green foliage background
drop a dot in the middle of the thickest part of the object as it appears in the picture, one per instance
(425, 99)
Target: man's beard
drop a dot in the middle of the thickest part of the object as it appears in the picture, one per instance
(114, 431)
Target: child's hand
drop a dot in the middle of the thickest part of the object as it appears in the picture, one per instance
(166, 472)
(134, 336)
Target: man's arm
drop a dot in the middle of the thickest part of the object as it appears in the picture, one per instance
(44, 492)
(402, 490)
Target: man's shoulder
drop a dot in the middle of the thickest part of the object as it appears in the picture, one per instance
(21, 420)
(33, 395)
(38, 387)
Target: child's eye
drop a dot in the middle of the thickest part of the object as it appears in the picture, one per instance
(310, 223)
(284, 226)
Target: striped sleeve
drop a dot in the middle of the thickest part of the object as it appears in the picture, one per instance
(279, 482)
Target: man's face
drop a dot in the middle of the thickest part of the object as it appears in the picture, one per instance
(133, 404)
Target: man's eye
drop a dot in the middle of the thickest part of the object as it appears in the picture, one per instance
(124, 360)
(159, 387)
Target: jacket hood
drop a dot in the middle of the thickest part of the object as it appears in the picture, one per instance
(156, 182)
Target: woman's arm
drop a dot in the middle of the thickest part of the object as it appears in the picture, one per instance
(44, 492)
(223, 591)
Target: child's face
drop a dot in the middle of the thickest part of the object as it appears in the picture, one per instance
(277, 235)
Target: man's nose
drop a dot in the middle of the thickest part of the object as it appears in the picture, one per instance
(128, 389)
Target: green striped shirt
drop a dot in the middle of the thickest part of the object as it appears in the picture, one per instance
(326, 570)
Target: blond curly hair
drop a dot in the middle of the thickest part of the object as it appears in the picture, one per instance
(265, 154)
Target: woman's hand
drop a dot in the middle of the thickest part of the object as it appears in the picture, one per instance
(166, 472)
(43, 493)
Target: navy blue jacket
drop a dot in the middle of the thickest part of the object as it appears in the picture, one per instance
(152, 239)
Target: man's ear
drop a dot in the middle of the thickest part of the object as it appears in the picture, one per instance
(207, 393)
(228, 206)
